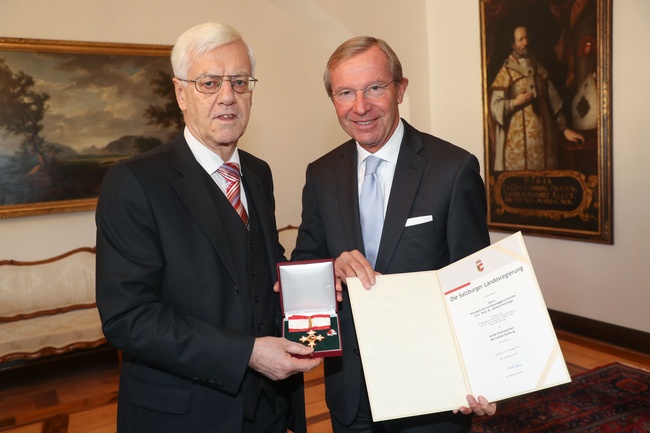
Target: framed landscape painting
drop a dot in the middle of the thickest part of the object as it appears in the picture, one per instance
(546, 69)
(69, 110)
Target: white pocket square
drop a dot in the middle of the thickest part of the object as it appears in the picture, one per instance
(418, 220)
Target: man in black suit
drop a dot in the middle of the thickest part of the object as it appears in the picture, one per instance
(186, 264)
(433, 204)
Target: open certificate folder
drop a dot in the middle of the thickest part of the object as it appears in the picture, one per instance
(478, 326)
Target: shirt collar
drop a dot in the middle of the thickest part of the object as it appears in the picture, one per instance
(389, 151)
(209, 160)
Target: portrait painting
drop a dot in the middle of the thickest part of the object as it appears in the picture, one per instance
(547, 117)
(69, 110)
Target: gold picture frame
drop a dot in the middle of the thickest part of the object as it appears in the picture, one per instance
(547, 86)
(69, 110)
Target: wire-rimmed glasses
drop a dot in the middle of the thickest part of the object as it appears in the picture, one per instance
(373, 92)
(212, 83)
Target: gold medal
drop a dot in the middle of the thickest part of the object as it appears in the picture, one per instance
(312, 338)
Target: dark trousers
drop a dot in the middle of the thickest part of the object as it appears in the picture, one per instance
(268, 419)
(446, 422)
(421, 424)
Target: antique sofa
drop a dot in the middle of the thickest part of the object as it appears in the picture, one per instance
(47, 307)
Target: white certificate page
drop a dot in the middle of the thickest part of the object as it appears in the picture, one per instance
(410, 359)
(478, 326)
(506, 339)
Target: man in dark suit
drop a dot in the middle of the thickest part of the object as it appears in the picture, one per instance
(186, 261)
(432, 203)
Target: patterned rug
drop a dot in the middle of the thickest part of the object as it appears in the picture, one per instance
(610, 399)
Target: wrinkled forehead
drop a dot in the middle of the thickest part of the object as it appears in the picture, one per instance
(229, 59)
(367, 66)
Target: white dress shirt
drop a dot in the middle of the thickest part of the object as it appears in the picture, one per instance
(210, 162)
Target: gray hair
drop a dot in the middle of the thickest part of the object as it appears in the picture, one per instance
(201, 39)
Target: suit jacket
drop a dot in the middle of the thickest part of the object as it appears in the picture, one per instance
(432, 177)
(172, 296)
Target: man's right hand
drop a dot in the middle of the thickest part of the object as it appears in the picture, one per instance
(353, 264)
(522, 99)
(272, 357)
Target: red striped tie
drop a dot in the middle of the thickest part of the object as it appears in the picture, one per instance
(230, 172)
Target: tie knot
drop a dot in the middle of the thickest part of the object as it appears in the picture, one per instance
(230, 171)
(372, 163)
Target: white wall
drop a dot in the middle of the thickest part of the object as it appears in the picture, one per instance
(293, 122)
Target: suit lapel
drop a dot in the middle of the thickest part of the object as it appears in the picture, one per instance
(196, 190)
(255, 195)
(408, 173)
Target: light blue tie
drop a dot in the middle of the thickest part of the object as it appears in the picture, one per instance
(371, 209)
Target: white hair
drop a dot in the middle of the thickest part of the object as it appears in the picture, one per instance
(201, 39)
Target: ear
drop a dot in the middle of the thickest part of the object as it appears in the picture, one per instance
(401, 89)
(181, 92)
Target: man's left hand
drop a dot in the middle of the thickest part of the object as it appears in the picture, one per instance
(479, 407)
(573, 136)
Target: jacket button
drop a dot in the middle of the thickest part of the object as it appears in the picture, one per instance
(260, 326)
(258, 298)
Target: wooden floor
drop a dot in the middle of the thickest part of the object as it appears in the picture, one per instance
(80, 395)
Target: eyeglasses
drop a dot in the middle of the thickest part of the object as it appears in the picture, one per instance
(373, 92)
(212, 83)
